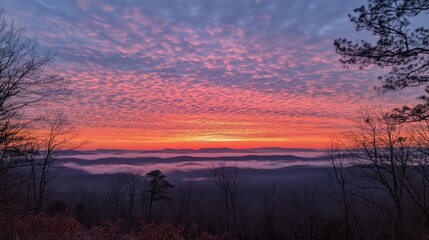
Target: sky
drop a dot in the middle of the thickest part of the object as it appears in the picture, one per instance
(194, 73)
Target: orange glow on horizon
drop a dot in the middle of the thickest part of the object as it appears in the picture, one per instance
(140, 81)
(92, 145)
(132, 140)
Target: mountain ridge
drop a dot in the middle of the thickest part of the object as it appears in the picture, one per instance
(189, 151)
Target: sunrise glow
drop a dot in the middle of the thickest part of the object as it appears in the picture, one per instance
(231, 74)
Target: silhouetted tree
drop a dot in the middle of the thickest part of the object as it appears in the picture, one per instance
(116, 192)
(186, 200)
(14, 152)
(133, 183)
(230, 182)
(417, 182)
(57, 138)
(382, 151)
(24, 82)
(24, 79)
(267, 202)
(301, 203)
(340, 161)
(157, 189)
(400, 46)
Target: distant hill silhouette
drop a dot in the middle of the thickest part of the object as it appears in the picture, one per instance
(190, 151)
(145, 160)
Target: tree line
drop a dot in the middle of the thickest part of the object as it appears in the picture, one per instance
(30, 136)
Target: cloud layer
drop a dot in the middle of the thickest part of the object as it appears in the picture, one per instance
(152, 74)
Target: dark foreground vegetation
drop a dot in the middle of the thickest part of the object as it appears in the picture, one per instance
(339, 202)
(43, 226)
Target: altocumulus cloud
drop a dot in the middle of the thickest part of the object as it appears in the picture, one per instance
(243, 69)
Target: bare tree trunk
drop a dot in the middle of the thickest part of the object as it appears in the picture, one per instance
(150, 209)
(229, 181)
